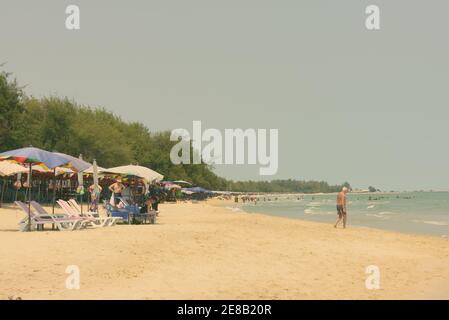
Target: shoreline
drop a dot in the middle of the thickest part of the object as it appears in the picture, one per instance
(204, 251)
(402, 221)
(329, 224)
(227, 206)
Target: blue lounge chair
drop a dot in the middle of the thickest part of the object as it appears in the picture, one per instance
(112, 211)
(130, 213)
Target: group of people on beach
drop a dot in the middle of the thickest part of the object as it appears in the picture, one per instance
(151, 196)
(341, 205)
(152, 201)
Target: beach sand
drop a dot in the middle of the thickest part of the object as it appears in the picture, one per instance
(203, 251)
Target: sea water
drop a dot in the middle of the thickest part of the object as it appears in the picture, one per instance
(411, 212)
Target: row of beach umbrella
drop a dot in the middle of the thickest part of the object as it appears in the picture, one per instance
(34, 156)
(27, 160)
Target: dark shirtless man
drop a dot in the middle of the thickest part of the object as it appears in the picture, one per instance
(341, 207)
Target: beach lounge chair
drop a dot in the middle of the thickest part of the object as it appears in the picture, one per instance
(38, 221)
(89, 221)
(94, 216)
(144, 217)
(72, 202)
(125, 205)
(41, 211)
(124, 214)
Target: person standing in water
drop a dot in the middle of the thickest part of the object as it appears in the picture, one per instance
(341, 207)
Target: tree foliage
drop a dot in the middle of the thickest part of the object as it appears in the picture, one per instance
(59, 124)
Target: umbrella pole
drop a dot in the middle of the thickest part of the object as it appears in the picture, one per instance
(81, 196)
(3, 192)
(54, 190)
(133, 191)
(81, 202)
(39, 191)
(29, 199)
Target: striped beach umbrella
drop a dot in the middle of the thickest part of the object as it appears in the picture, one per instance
(34, 156)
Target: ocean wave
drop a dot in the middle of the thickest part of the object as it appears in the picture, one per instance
(435, 223)
(378, 216)
(314, 204)
(378, 202)
(370, 207)
(311, 211)
(382, 213)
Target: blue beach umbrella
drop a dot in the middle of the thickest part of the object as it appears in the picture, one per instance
(197, 190)
(33, 156)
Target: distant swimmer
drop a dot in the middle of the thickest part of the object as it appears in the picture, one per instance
(341, 207)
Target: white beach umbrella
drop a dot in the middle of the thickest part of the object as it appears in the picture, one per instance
(91, 169)
(182, 182)
(138, 171)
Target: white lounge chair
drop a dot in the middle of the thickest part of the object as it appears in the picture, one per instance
(90, 214)
(41, 211)
(93, 221)
(63, 223)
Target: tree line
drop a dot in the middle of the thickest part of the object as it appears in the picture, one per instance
(60, 124)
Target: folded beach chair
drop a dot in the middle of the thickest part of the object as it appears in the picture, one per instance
(39, 220)
(110, 221)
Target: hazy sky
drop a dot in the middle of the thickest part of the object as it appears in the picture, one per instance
(369, 107)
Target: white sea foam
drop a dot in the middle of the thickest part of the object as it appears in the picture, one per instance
(378, 216)
(435, 223)
(316, 212)
(382, 213)
(388, 212)
(314, 204)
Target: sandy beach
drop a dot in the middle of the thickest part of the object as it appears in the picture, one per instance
(204, 251)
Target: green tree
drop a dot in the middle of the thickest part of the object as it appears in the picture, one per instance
(60, 124)
(11, 109)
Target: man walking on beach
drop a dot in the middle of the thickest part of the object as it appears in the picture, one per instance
(341, 207)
